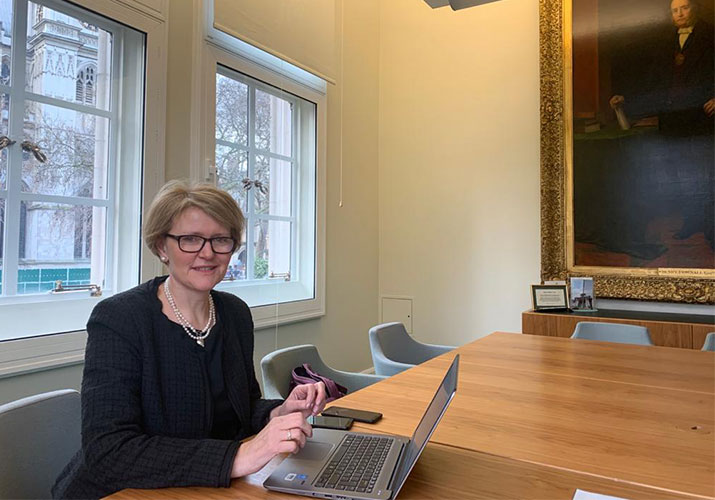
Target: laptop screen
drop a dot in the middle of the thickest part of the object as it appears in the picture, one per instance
(427, 425)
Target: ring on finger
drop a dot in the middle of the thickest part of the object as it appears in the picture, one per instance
(290, 435)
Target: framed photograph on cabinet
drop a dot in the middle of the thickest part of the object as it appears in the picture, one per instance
(549, 298)
(582, 294)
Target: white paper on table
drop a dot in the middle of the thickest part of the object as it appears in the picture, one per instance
(589, 495)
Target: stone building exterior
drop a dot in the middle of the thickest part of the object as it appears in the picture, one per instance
(62, 62)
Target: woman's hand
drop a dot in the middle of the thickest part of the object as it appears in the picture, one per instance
(286, 431)
(308, 399)
(283, 434)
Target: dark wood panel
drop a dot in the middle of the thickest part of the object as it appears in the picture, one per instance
(550, 324)
(663, 333)
(699, 334)
(670, 334)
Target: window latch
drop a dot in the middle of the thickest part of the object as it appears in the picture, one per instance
(5, 142)
(285, 276)
(94, 290)
(248, 184)
(33, 148)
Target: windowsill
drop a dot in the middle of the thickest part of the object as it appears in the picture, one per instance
(286, 319)
(23, 356)
(34, 354)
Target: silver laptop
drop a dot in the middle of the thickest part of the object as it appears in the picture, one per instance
(341, 464)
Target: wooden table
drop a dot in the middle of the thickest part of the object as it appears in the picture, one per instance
(537, 417)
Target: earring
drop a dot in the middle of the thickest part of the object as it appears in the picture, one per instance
(164, 259)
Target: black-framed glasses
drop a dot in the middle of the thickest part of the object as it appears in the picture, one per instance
(191, 243)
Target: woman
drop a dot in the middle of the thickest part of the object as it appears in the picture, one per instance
(169, 388)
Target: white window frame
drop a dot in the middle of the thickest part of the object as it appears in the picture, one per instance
(67, 347)
(215, 49)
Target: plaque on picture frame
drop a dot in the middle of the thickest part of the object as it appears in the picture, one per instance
(582, 298)
(549, 298)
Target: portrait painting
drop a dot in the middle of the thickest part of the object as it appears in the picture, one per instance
(643, 106)
(628, 143)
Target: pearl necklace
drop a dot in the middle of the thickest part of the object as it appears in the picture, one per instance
(197, 335)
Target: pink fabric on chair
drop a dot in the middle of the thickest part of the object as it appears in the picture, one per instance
(305, 375)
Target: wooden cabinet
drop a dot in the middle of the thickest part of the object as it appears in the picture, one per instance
(671, 330)
(699, 334)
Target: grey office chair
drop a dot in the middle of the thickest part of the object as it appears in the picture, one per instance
(612, 332)
(394, 350)
(709, 344)
(38, 436)
(277, 366)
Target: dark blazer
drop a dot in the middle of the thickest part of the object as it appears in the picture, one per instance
(678, 83)
(146, 400)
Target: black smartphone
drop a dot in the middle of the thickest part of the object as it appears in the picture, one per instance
(323, 422)
(369, 417)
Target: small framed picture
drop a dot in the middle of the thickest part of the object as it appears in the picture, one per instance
(582, 294)
(549, 297)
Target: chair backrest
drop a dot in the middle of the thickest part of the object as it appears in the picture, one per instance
(38, 436)
(396, 344)
(709, 344)
(612, 332)
(277, 366)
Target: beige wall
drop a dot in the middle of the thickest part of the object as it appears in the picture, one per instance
(182, 16)
(459, 164)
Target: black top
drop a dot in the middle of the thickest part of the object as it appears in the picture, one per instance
(225, 424)
(148, 402)
(678, 82)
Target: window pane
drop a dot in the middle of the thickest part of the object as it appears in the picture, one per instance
(4, 116)
(275, 176)
(272, 240)
(2, 238)
(60, 242)
(237, 267)
(76, 145)
(231, 170)
(6, 41)
(231, 110)
(273, 123)
(71, 59)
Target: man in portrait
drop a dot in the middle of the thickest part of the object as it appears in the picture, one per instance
(677, 95)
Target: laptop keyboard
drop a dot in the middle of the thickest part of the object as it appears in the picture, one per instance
(357, 464)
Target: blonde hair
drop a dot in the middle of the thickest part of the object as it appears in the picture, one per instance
(176, 196)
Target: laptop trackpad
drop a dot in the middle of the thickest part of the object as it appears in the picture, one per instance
(313, 450)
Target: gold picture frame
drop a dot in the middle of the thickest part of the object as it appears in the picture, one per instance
(696, 286)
